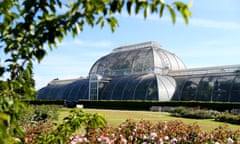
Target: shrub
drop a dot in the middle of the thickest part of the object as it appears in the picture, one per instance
(193, 113)
(37, 113)
(38, 120)
(228, 117)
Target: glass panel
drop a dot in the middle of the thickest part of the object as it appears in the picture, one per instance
(166, 87)
(205, 88)
(180, 81)
(143, 87)
(152, 91)
(190, 89)
(124, 62)
(77, 89)
(235, 92)
(129, 88)
(118, 89)
(66, 94)
(73, 94)
(42, 93)
(222, 88)
(108, 89)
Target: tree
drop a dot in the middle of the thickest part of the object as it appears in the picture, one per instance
(27, 25)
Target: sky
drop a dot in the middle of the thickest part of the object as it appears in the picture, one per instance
(212, 38)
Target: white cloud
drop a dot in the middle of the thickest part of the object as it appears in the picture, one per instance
(216, 43)
(197, 22)
(226, 25)
(86, 43)
(210, 52)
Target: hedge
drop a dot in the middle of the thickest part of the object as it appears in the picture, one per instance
(142, 105)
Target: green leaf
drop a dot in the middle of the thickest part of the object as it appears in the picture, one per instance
(4, 116)
(179, 5)
(162, 9)
(172, 12)
(145, 12)
(2, 70)
(77, 28)
(113, 6)
(113, 23)
(184, 10)
(129, 7)
(137, 8)
(185, 15)
(102, 24)
(100, 19)
(190, 3)
(40, 53)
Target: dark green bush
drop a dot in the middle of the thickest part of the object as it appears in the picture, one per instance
(36, 113)
(192, 113)
(141, 104)
(228, 117)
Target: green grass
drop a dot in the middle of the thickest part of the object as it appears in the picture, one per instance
(116, 117)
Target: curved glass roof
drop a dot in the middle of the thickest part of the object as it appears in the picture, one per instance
(145, 71)
(72, 90)
(208, 87)
(132, 87)
(135, 59)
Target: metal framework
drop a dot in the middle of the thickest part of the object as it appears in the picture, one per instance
(145, 71)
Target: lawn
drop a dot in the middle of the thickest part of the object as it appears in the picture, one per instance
(116, 117)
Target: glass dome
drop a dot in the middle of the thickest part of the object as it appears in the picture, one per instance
(136, 59)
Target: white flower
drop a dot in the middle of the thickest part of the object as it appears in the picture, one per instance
(99, 139)
(173, 141)
(80, 140)
(145, 137)
(230, 140)
(160, 141)
(166, 138)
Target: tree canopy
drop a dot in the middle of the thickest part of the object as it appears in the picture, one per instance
(26, 26)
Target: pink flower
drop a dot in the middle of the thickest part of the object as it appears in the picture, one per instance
(160, 141)
(153, 135)
(103, 139)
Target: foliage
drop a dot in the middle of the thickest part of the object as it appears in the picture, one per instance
(37, 113)
(228, 117)
(10, 111)
(206, 114)
(27, 26)
(33, 130)
(195, 113)
(73, 123)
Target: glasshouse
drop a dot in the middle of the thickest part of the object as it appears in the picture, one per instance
(146, 71)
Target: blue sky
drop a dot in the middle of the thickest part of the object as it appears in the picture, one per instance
(212, 38)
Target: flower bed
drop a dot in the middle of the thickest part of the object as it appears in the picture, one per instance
(162, 132)
(80, 127)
